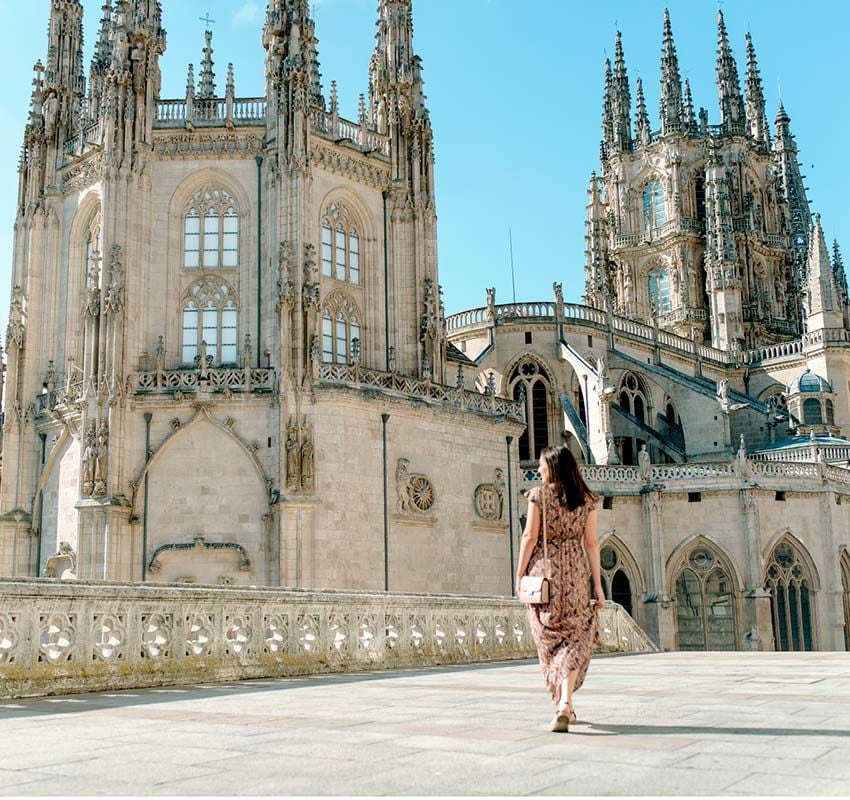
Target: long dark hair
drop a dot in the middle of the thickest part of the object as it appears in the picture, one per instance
(566, 478)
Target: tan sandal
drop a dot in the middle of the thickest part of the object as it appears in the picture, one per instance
(562, 719)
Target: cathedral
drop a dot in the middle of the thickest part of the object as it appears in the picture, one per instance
(228, 360)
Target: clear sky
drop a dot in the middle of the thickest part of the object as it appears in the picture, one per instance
(515, 93)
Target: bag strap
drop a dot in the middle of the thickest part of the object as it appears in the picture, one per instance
(543, 511)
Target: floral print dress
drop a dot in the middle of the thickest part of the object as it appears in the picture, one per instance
(564, 629)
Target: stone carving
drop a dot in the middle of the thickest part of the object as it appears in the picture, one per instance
(114, 300)
(311, 290)
(644, 465)
(307, 461)
(101, 459)
(415, 491)
(89, 459)
(491, 303)
(489, 498)
(293, 459)
(430, 324)
(198, 543)
(160, 357)
(110, 633)
(57, 638)
(723, 391)
(156, 635)
(63, 565)
(8, 638)
(285, 285)
(17, 319)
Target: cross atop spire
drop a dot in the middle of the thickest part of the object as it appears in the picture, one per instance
(207, 21)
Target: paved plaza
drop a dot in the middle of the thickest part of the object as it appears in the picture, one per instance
(671, 723)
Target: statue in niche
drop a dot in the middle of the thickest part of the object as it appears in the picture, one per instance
(51, 112)
(311, 290)
(115, 292)
(101, 457)
(50, 377)
(203, 360)
(628, 291)
(160, 357)
(293, 466)
(15, 328)
(430, 317)
(613, 456)
(644, 465)
(89, 457)
(285, 286)
(307, 462)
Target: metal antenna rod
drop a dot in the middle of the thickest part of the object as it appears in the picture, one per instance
(513, 276)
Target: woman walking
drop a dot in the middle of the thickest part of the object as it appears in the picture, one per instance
(565, 628)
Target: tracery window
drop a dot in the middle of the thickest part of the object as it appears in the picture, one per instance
(210, 316)
(211, 231)
(615, 578)
(342, 341)
(845, 587)
(790, 585)
(658, 285)
(340, 245)
(705, 611)
(633, 400)
(529, 381)
(812, 412)
(654, 211)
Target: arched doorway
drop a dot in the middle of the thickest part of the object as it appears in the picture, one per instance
(789, 582)
(705, 605)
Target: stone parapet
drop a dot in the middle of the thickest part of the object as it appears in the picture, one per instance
(62, 637)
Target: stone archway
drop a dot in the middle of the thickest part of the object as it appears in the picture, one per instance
(845, 587)
(791, 582)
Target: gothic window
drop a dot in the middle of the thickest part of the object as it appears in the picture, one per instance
(530, 381)
(615, 578)
(342, 341)
(790, 586)
(340, 245)
(845, 588)
(812, 412)
(699, 192)
(209, 316)
(659, 291)
(705, 612)
(633, 400)
(654, 211)
(211, 231)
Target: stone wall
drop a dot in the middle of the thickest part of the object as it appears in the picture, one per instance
(59, 637)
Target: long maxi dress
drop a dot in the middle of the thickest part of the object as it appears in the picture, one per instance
(564, 629)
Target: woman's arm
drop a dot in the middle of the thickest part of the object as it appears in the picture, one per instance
(529, 538)
(591, 544)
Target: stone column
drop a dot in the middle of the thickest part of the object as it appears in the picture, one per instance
(755, 626)
(831, 610)
(658, 608)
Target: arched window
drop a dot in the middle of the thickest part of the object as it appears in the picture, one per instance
(342, 341)
(633, 400)
(705, 611)
(812, 412)
(530, 381)
(790, 585)
(830, 412)
(654, 212)
(209, 315)
(211, 231)
(615, 577)
(659, 291)
(340, 245)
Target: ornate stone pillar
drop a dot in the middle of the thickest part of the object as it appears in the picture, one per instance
(755, 626)
(658, 611)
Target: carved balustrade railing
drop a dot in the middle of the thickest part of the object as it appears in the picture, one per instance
(807, 452)
(61, 397)
(456, 397)
(630, 478)
(331, 126)
(210, 112)
(59, 636)
(234, 379)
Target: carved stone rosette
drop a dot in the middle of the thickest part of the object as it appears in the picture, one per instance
(415, 492)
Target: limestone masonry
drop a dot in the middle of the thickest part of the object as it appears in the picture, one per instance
(228, 360)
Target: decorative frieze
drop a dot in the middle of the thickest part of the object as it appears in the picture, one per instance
(211, 145)
(358, 169)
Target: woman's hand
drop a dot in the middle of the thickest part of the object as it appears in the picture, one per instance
(599, 596)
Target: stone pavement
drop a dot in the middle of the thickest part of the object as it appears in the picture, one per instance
(666, 724)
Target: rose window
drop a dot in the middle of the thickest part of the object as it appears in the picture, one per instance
(422, 493)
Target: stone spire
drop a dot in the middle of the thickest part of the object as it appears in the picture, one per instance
(728, 86)
(63, 75)
(840, 277)
(395, 71)
(190, 86)
(100, 62)
(642, 129)
(823, 305)
(206, 81)
(607, 117)
(596, 287)
(793, 191)
(723, 280)
(621, 100)
(672, 110)
(690, 116)
(755, 105)
(289, 36)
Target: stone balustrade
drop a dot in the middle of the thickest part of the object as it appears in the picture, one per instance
(59, 637)
(393, 382)
(234, 379)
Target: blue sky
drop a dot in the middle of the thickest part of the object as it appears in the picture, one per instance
(515, 93)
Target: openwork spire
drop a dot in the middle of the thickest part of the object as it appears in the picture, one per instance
(822, 293)
(838, 271)
(642, 128)
(621, 99)
(672, 110)
(100, 62)
(607, 116)
(595, 249)
(64, 81)
(755, 105)
(289, 36)
(728, 86)
(690, 116)
(206, 82)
